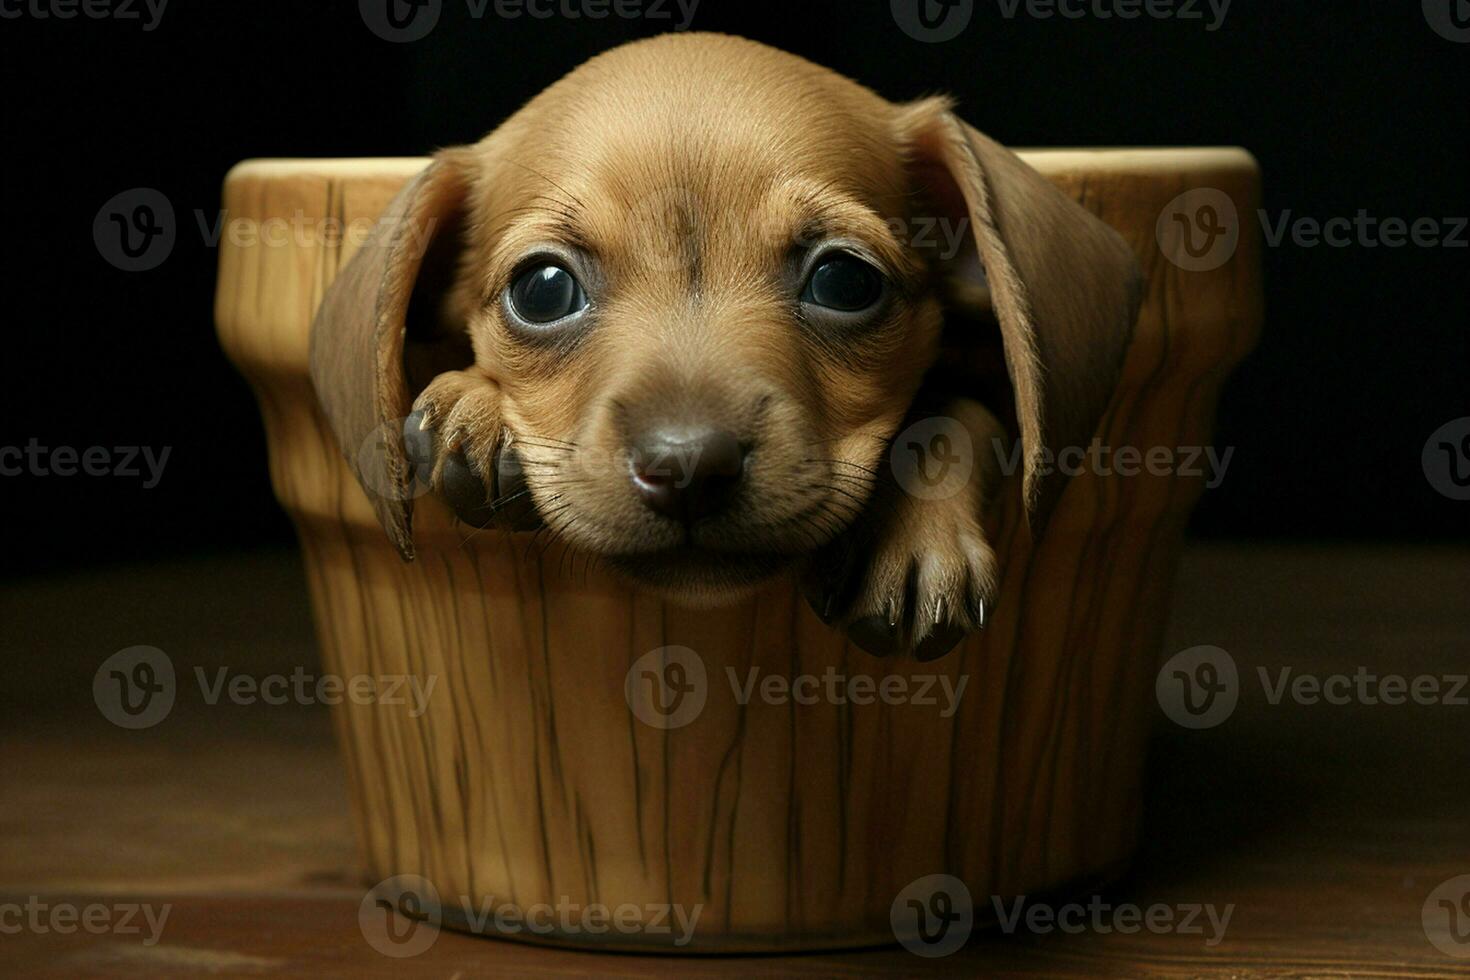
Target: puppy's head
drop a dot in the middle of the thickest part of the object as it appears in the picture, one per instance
(709, 278)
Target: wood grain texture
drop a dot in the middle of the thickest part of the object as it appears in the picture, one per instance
(789, 826)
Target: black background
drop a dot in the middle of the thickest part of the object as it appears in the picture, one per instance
(1347, 105)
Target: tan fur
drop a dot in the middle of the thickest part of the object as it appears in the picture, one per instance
(684, 172)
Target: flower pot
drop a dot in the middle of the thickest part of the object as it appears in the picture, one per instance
(539, 777)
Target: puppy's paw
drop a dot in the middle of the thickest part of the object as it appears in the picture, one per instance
(916, 573)
(923, 589)
(457, 441)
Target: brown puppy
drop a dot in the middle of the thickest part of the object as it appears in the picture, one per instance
(699, 306)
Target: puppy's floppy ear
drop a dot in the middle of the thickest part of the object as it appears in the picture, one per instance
(360, 332)
(1065, 287)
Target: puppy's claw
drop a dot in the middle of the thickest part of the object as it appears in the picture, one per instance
(918, 575)
(824, 585)
(457, 444)
(418, 444)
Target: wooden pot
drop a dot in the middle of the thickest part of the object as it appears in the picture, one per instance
(529, 781)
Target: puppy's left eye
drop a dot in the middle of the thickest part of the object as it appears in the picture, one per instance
(546, 293)
(842, 281)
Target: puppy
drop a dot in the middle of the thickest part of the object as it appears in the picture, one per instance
(677, 308)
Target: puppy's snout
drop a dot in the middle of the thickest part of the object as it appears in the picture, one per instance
(687, 473)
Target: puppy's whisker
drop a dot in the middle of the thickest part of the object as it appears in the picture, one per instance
(509, 498)
(547, 523)
(843, 462)
(558, 531)
(865, 482)
(858, 501)
(546, 441)
(498, 503)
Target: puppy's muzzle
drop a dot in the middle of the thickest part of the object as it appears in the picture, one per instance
(687, 473)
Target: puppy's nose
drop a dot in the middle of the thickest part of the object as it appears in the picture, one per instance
(687, 473)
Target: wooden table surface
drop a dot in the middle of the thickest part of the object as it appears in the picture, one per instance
(1322, 828)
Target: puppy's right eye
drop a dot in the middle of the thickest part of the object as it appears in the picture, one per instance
(546, 293)
(843, 282)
